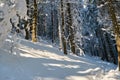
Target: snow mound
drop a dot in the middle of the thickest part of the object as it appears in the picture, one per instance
(112, 75)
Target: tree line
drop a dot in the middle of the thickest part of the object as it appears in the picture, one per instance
(80, 27)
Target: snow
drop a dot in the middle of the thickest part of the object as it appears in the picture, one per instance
(10, 11)
(1, 4)
(24, 60)
(43, 61)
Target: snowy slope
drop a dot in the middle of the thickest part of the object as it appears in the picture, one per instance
(42, 61)
(8, 9)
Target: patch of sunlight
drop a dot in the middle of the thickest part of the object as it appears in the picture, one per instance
(86, 71)
(76, 78)
(28, 55)
(45, 54)
(8, 40)
(62, 65)
(45, 78)
(93, 71)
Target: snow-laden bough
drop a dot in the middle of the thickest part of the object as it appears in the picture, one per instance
(9, 9)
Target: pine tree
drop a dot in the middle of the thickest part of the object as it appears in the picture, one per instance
(116, 28)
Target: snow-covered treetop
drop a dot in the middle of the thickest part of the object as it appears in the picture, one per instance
(9, 9)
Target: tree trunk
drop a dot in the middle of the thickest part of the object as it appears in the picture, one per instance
(52, 22)
(116, 28)
(64, 47)
(71, 31)
(118, 49)
(34, 32)
(45, 25)
(26, 30)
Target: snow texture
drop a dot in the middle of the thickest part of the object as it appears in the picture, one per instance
(42, 61)
(9, 9)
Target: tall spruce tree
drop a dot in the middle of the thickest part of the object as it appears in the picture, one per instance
(116, 28)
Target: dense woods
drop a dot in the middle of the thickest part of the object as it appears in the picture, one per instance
(79, 27)
(59, 39)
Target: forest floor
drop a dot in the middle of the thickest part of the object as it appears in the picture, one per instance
(43, 61)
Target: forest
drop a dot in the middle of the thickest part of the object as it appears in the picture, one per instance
(80, 26)
(77, 27)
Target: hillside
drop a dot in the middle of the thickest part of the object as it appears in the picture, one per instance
(43, 61)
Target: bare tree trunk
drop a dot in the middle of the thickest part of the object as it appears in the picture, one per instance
(64, 47)
(59, 29)
(116, 28)
(34, 32)
(26, 22)
(118, 49)
(52, 22)
(45, 25)
(26, 30)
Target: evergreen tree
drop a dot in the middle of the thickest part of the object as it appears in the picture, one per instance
(116, 28)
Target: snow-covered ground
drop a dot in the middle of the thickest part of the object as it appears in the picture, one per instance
(42, 61)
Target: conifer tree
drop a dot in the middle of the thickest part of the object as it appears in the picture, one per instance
(116, 28)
